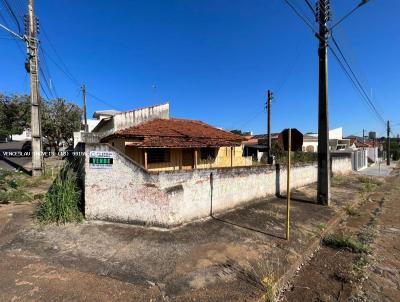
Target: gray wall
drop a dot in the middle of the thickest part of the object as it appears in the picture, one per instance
(132, 118)
(127, 193)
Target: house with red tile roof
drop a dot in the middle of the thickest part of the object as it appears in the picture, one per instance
(165, 144)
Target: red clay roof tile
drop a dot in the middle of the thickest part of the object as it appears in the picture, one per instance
(175, 133)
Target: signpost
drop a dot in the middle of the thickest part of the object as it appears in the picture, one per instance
(292, 140)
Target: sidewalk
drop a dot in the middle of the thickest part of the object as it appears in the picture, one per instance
(380, 170)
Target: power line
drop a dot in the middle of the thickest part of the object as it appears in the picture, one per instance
(102, 101)
(66, 69)
(357, 85)
(44, 92)
(45, 70)
(51, 92)
(70, 77)
(290, 68)
(13, 35)
(298, 13)
(11, 11)
(310, 6)
(357, 80)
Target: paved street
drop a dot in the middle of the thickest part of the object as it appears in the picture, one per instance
(24, 162)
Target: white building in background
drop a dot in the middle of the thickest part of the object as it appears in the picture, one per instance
(92, 123)
(336, 141)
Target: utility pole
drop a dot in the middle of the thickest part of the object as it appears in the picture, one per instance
(388, 144)
(363, 135)
(84, 107)
(36, 128)
(324, 177)
(269, 99)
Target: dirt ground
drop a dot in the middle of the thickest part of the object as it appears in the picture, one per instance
(224, 258)
(342, 275)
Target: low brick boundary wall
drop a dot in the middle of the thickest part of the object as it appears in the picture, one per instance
(128, 193)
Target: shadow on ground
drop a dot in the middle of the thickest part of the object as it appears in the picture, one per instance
(223, 258)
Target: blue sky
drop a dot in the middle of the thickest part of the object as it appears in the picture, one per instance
(214, 60)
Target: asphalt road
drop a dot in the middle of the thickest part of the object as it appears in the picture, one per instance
(15, 161)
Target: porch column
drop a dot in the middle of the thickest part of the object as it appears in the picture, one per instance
(195, 158)
(145, 159)
(231, 156)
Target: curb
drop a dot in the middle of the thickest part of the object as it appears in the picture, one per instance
(312, 248)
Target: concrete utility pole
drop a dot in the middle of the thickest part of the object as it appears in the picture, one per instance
(324, 177)
(269, 99)
(388, 144)
(363, 135)
(84, 107)
(36, 128)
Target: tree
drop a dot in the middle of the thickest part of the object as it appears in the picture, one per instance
(394, 149)
(14, 114)
(240, 132)
(60, 119)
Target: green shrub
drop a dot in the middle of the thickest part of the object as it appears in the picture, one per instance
(369, 180)
(396, 154)
(62, 202)
(15, 195)
(369, 183)
(4, 174)
(345, 241)
(297, 157)
(351, 211)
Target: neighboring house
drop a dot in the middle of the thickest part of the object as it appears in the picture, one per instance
(92, 123)
(100, 114)
(371, 147)
(179, 144)
(256, 146)
(336, 141)
(310, 142)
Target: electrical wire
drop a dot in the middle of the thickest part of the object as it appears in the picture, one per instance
(356, 83)
(298, 13)
(44, 92)
(310, 6)
(17, 41)
(46, 70)
(102, 101)
(12, 13)
(366, 96)
(356, 87)
(66, 69)
(45, 53)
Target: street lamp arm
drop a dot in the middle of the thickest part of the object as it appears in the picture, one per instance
(363, 2)
(11, 32)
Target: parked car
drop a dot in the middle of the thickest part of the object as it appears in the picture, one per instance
(27, 149)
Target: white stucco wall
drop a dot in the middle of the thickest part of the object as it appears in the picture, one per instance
(341, 163)
(127, 193)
